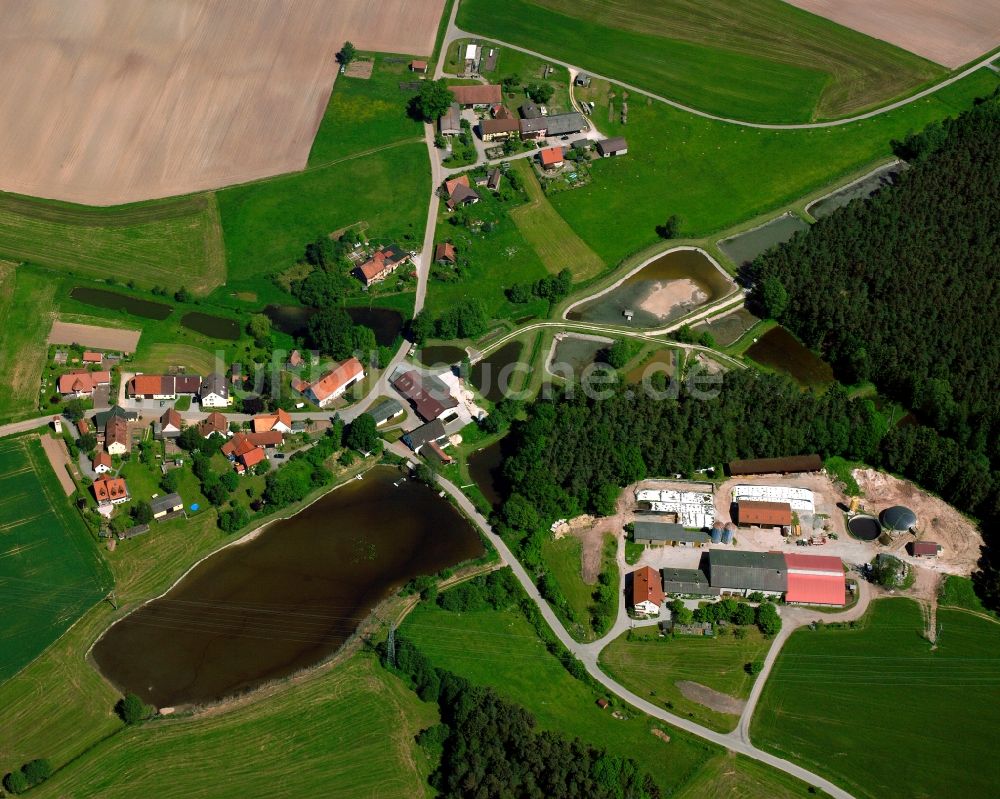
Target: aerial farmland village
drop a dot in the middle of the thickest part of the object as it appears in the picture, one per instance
(499, 399)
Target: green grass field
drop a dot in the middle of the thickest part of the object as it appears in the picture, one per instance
(853, 704)
(365, 114)
(761, 60)
(173, 243)
(500, 649)
(563, 559)
(652, 666)
(268, 224)
(350, 730)
(50, 569)
(715, 175)
(555, 242)
(727, 775)
(25, 299)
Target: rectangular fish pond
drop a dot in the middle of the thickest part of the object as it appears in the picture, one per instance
(113, 301)
(744, 247)
(781, 351)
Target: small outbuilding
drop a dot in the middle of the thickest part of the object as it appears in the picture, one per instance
(551, 157)
(925, 549)
(763, 514)
(616, 145)
(663, 533)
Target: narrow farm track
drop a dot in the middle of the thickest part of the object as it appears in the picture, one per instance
(454, 32)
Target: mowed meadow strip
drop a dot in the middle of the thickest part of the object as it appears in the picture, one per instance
(552, 238)
(172, 243)
(50, 569)
(25, 301)
(349, 729)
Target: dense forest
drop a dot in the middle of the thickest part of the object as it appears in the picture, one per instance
(573, 453)
(490, 748)
(901, 290)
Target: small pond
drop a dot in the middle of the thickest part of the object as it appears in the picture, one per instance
(494, 375)
(571, 354)
(215, 326)
(437, 354)
(666, 288)
(727, 329)
(485, 469)
(289, 598)
(114, 301)
(294, 321)
(744, 247)
(865, 187)
(781, 351)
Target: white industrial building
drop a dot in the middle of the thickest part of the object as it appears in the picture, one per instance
(695, 509)
(800, 499)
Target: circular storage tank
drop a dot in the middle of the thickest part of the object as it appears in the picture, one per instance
(716, 535)
(727, 536)
(898, 519)
(865, 528)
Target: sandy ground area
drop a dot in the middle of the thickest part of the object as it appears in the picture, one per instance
(101, 338)
(58, 455)
(951, 32)
(114, 101)
(710, 698)
(670, 294)
(936, 521)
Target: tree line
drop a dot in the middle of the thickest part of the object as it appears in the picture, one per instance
(901, 290)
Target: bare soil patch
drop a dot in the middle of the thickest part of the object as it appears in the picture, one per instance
(101, 338)
(669, 294)
(360, 69)
(115, 101)
(950, 33)
(936, 521)
(58, 455)
(710, 698)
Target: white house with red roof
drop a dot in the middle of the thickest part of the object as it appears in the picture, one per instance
(335, 382)
(647, 591)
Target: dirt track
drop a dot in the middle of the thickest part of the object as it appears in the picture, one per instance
(114, 101)
(951, 33)
(58, 455)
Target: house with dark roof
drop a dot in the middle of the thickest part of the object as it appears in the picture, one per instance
(100, 418)
(214, 392)
(450, 124)
(692, 582)
(530, 111)
(616, 145)
(493, 179)
(166, 504)
(459, 192)
(382, 263)
(734, 571)
(432, 431)
(660, 533)
(214, 424)
(532, 128)
(565, 124)
(385, 410)
(430, 397)
(498, 129)
(789, 465)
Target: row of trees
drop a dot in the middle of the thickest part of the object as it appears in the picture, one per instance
(464, 320)
(551, 287)
(488, 747)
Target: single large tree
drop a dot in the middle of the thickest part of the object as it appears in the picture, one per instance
(346, 53)
(362, 434)
(432, 101)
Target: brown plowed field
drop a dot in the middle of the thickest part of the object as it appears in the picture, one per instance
(115, 101)
(950, 32)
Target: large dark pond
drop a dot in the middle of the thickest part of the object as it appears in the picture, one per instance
(780, 350)
(746, 246)
(214, 326)
(484, 468)
(114, 301)
(294, 320)
(288, 599)
(437, 354)
(669, 287)
(494, 375)
(865, 187)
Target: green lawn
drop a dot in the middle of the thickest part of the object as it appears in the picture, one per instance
(50, 570)
(555, 242)
(652, 666)
(496, 259)
(563, 560)
(852, 704)
(350, 730)
(500, 649)
(759, 60)
(174, 242)
(268, 224)
(715, 175)
(25, 299)
(365, 114)
(727, 775)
